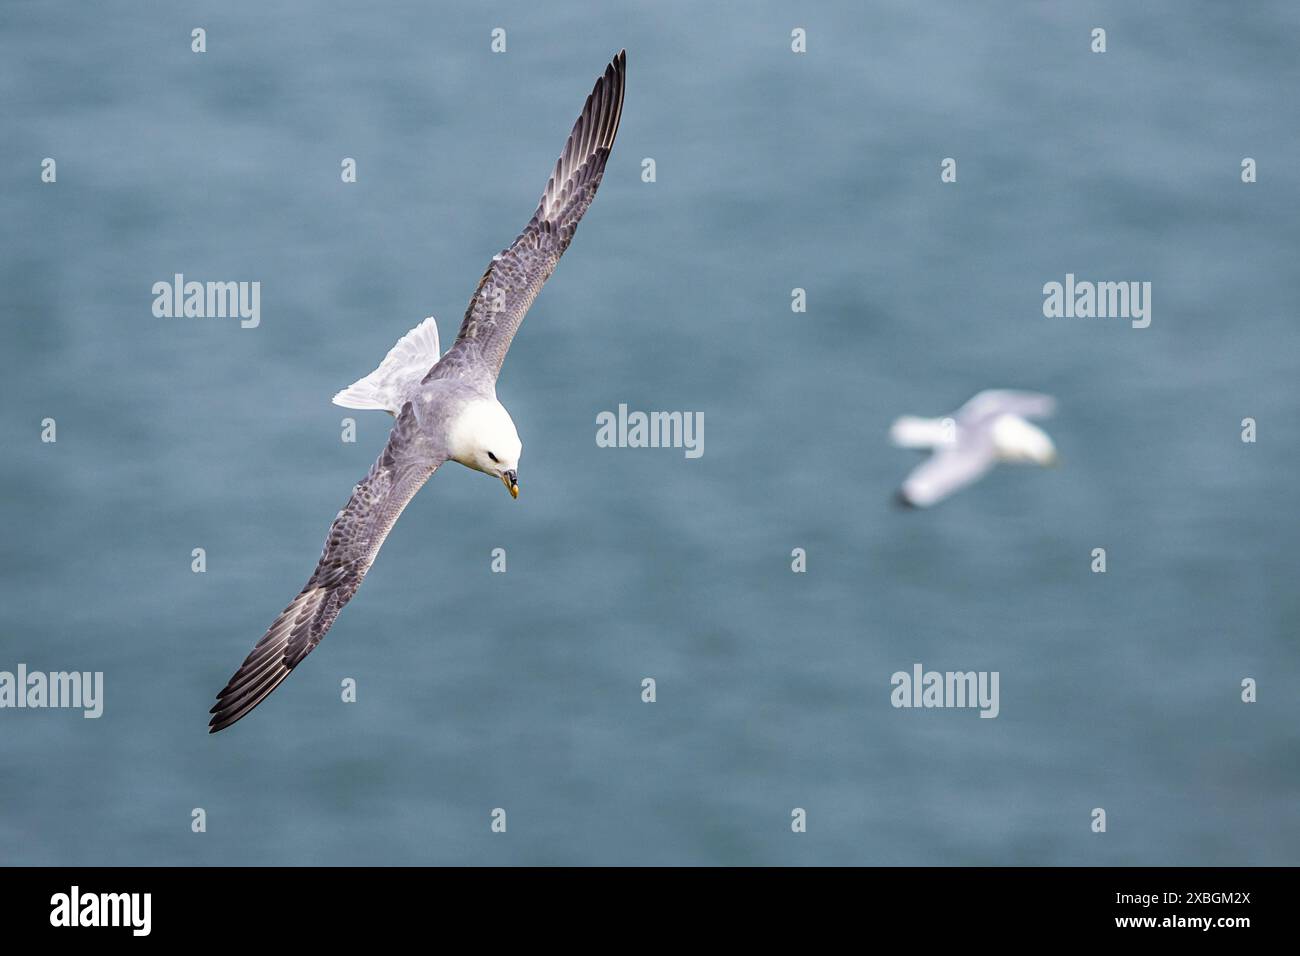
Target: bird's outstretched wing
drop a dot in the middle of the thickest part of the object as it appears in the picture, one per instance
(1004, 401)
(516, 275)
(354, 539)
(947, 470)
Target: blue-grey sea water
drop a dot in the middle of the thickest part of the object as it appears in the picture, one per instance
(774, 170)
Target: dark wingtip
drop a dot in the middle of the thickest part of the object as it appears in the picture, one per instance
(218, 721)
(902, 502)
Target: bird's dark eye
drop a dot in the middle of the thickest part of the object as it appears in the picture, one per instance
(493, 457)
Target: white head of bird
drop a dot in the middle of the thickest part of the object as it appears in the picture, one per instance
(483, 437)
(1018, 441)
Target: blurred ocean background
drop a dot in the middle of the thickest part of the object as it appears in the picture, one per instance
(774, 171)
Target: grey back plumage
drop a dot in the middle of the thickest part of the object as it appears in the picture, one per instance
(516, 275)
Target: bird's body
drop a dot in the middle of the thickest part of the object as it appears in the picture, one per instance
(990, 428)
(445, 406)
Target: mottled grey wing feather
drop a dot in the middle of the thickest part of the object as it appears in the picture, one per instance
(354, 540)
(516, 275)
(1003, 401)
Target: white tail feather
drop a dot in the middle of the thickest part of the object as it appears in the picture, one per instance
(401, 370)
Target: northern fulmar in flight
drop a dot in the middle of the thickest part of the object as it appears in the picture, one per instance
(445, 408)
(989, 428)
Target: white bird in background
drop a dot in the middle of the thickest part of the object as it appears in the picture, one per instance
(988, 429)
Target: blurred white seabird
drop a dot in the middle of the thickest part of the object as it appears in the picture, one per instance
(988, 429)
